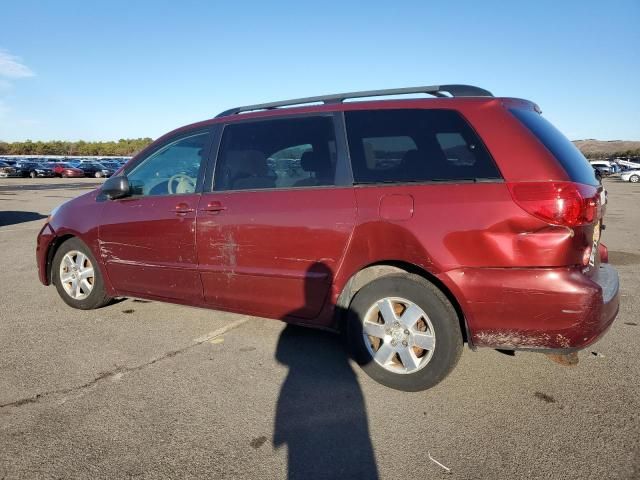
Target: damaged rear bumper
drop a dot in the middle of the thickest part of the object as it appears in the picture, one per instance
(553, 310)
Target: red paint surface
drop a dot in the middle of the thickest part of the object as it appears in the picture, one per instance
(273, 252)
(149, 247)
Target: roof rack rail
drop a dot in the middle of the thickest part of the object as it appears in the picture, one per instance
(435, 90)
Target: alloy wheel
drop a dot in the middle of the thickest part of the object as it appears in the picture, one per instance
(399, 335)
(77, 275)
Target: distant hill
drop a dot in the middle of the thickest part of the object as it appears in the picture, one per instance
(612, 148)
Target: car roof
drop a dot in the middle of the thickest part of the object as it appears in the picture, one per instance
(463, 96)
(404, 103)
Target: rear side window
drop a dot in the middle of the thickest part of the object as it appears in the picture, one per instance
(283, 153)
(398, 146)
(571, 159)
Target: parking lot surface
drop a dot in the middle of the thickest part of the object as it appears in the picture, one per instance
(141, 389)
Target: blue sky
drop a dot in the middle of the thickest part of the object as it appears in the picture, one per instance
(121, 69)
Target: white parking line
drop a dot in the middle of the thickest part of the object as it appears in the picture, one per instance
(221, 331)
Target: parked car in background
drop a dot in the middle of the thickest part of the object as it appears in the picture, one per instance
(93, 169)
(111, 164)
(7, 170)
(632, 176)
(411, 224)
(603, 167)
(65, 170)
(34, 169)
(628, 164)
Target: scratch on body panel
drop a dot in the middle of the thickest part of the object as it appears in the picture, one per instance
(229, 253)
(513, 339)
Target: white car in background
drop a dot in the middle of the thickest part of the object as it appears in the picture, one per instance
(605, 167)
(632, 176)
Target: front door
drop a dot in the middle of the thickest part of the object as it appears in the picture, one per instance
(147, 240)
(272, 233)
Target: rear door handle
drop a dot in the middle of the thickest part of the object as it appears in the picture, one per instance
(182, 209)
(214, 207)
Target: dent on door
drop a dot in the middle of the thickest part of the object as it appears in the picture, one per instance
(148, 247)
(272, 253)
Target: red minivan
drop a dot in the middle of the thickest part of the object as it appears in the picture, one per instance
(413, 225)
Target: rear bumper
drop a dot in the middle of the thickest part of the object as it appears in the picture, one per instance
(45, 237)
(553, 309)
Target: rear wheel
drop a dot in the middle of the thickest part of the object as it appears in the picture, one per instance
(634, 178)
(77, 276)
(404, 332)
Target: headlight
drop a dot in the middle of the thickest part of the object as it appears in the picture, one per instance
(39, 171)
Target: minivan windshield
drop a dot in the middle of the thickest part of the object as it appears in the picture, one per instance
(571, 159)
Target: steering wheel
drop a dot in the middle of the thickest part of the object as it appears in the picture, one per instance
(184, 184)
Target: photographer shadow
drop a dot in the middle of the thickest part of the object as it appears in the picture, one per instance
(321, 415)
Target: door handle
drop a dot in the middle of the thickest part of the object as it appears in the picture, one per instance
(214, 207)
(182, 209)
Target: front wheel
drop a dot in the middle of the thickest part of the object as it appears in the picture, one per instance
(98, 175)
(33, 174)
(404, 332)
(634, 178)
(77, 276)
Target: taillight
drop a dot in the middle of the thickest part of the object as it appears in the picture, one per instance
(560, 203)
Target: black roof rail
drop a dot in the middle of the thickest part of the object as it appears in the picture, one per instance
(435, 90)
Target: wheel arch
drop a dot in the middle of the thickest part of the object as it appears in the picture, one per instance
(51, 252)
(381, 268)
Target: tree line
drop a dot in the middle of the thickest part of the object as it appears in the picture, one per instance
(123, 147)
(131, 146)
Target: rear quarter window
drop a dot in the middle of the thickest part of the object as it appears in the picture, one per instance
(574, 163)
(415, 145)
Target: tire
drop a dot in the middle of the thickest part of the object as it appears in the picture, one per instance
(33, 174)
(634, 178)
(437, 329)
(98, 174)
(88, 298)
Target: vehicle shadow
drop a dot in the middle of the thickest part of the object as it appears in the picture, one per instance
(320, 415)
(14, 217)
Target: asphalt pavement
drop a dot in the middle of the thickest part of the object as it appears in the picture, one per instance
(142, 389)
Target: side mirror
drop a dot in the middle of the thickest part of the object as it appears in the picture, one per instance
(116, 187)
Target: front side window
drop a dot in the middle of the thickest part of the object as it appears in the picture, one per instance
(172, 170)
(397, 146)
(282, 153)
